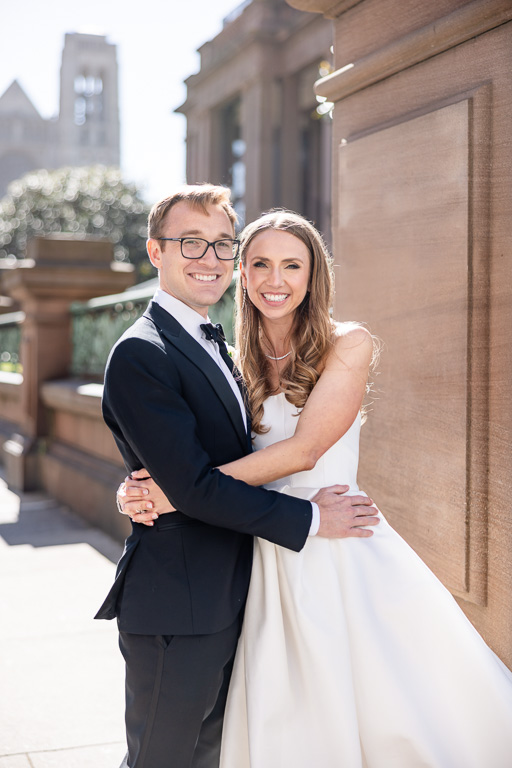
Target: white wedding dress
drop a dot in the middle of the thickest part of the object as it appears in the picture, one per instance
(353, 654)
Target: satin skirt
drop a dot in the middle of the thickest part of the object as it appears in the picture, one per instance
(354, 655)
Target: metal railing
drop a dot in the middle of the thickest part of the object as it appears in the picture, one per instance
(10, 338)
(98, 323)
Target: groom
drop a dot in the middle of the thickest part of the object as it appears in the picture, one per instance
(175, 408)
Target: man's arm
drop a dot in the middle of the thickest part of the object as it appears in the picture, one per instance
(152, 421)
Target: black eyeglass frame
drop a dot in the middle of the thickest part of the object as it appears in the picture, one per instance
(207, 244)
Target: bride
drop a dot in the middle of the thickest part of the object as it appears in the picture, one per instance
(352, 653)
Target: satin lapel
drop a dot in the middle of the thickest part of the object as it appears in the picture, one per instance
(189, 347)
(249, 430)
(245, 398)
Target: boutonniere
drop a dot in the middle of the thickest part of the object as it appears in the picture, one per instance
(231, 351)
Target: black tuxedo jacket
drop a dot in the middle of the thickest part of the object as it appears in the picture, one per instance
(172, 411)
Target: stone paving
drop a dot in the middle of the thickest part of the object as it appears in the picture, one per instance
(61, 673)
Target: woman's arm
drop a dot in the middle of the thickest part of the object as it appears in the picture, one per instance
(329, 412)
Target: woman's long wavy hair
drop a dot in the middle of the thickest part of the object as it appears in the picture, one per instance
(312, 334)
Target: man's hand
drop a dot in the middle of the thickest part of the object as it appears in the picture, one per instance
(140, 498)
(342, 516)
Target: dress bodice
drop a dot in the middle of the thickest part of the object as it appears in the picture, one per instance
(337, 465)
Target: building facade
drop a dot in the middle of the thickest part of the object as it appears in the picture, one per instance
(422, 183)
(87, 128)
(253, 120)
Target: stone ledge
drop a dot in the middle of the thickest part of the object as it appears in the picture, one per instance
(87, 484)
(73, 395)
(471, 20)
(9, 380)
(331, 9)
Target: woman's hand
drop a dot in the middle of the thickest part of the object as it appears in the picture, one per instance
(142, 499)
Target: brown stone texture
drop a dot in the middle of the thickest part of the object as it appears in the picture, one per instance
(81, 465)
(380, 23)
(422, 183)
(418, 288)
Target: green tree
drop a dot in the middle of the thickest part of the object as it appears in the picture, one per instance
(84, 201)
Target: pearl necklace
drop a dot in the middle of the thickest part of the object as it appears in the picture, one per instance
(279, 358)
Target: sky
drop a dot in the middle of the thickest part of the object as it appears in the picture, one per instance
(156, 43)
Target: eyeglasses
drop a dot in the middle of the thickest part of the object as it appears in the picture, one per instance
(196, 247)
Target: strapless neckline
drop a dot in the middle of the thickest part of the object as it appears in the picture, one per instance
(340, 461)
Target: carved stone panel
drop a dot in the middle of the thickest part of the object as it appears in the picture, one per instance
(404, 238)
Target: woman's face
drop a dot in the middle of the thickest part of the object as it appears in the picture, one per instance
(276, 273)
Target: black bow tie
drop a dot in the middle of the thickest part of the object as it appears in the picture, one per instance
(214, 333)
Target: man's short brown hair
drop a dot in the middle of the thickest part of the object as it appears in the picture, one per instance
(196, 195)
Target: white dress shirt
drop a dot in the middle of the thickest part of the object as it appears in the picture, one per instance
(191, 321)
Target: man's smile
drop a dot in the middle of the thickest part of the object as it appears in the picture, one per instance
(204, 278)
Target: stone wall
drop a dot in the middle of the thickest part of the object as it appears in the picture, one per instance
(81, 465)
(422, 183)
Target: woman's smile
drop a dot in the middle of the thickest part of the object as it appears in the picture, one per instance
(275, 298)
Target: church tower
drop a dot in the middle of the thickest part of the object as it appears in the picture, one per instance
(89, 110)
(87, 129)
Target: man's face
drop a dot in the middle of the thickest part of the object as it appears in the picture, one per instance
(199, 283)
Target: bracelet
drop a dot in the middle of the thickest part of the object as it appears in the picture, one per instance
(118, 504)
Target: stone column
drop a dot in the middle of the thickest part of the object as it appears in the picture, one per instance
(57, 271)
(290, 145)
(258, 120)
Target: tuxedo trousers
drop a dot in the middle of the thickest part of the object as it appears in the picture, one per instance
(176, 689)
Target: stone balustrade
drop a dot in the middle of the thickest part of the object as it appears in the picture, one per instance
(53, 436)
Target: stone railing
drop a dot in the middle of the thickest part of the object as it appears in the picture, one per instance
(36, 348)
